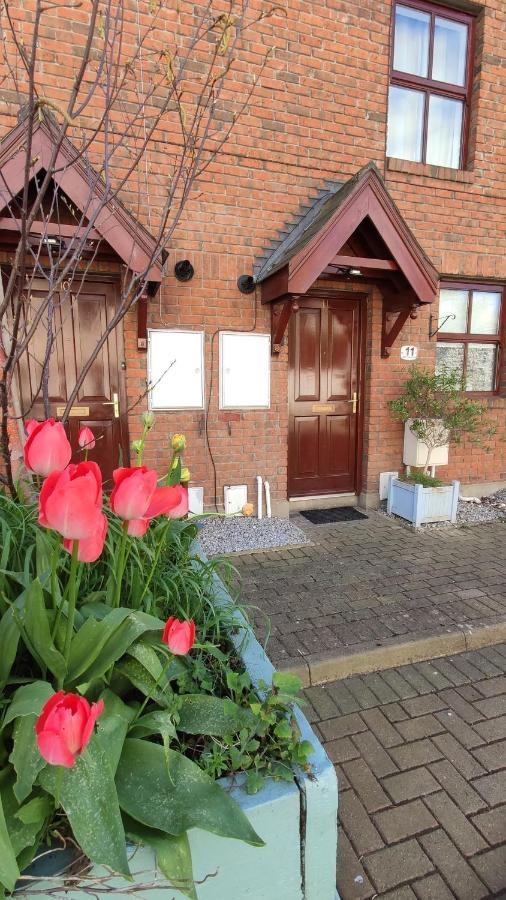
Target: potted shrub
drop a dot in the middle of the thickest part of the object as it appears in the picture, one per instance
(436, 413)
(140, 723)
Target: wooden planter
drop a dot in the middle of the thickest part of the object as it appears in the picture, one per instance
(297, 821)
(420, 504)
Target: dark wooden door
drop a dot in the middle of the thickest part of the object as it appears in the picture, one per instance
(79, 320)
(324, 380)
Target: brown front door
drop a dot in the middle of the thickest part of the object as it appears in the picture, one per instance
(80, 319)
(324, 378)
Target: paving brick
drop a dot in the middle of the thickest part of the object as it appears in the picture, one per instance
(469, 693)
(342, 726)
(487, 667)
(366, 785)
(464, 733)
(323, 703)
(432, 674)
(402, 893)
(491, 868)
(432, 888)
(362, 694)
(424, 726)
(491, 687)
(492, 787)
(341, 750)
(457, 826)
(394, 865)
(380, 687)
(466, 764)
(394, 712)
(375, 756)
(417, 753)
(402, 688)
(422, 706)
(342, 697)
(494, 706)
(416, 680)
(453, 675)
(352, 880)
(464, 709)
(492, 824)
(358, 825)
(492, 729)
(493, 756)
(452, 866)
(401, 822)
(379, 724)
(467, 668)
(407, 785)
(461, 792)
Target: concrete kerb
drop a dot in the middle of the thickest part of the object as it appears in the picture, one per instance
(319, 668)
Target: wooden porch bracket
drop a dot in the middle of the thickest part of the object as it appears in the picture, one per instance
(393, 322)
(280, 317)
(142, 322)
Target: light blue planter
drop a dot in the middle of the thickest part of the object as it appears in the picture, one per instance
(420, 504)
(298, 823)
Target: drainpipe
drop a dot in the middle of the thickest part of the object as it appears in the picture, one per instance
(267, 499)
(259, 496)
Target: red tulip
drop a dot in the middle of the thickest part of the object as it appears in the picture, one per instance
(70, 502)
(47, 448)
(137, 499)
(86, 439)
(65, 726)
(182, 508)
(90, 548)
(179, 636)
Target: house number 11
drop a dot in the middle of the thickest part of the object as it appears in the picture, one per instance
(409, 352)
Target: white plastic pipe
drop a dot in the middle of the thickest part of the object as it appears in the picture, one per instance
(267, 499)
(259, 496)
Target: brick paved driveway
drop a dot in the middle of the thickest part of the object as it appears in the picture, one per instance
(374, 582)
(420, 753)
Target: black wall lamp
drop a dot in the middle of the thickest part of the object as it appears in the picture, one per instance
(246, 284)
(183, 270)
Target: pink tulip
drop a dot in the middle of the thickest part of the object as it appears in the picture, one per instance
(179, 636)
(182, 508)
(65, 726)
(70, 502)
(47, 448)
(137, 499)
(86, 439)
(90, 548)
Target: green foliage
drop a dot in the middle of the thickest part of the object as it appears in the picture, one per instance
(440, 411)
(421, 478)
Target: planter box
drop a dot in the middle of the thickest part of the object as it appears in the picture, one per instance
(420, 504)
(298, 823)
(415, 450)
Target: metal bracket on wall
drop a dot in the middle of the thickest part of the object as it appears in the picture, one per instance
(142, 322)
(280, 317)
(393, 321)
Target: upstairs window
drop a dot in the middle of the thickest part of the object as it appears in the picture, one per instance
(430, 84)
(469, 336)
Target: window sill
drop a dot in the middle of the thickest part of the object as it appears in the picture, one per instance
(425, 170)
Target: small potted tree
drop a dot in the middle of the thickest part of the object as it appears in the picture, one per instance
(436, 413)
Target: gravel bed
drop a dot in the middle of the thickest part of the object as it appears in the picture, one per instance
(238, 534)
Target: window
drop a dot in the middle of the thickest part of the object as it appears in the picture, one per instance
(430, 84)
(469, 336)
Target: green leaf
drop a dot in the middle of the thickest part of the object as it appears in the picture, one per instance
(157, 722)
(88, 796)
(174, 476)
(204, 714)
(148, 657)
(177, 799)
(286, 683)
(28, 700)
(9, 872)
(129, 626)
(36, 625)
(36, 811)
(173, 854)
(283, 730)
(112, 727)
(43, 550)
(25, 756)
(254, 782)
(9, 639)
(90, 639)
(142, 680)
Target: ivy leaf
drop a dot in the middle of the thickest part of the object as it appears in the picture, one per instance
(286, 683)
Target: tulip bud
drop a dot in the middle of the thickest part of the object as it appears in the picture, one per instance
(137, 446)
(185, 474)
(148, 420)
(178, 443)
(86, 439)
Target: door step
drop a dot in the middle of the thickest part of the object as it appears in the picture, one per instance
(322, 501)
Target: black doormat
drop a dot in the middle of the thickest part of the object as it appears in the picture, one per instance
(336, 514)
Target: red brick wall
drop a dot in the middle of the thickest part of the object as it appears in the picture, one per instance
(318, 113)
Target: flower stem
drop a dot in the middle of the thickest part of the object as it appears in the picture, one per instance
(71, 604)
(120, 568)
(155, 561)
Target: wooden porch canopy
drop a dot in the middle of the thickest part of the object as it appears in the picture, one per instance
(73, 175)
(354, 231)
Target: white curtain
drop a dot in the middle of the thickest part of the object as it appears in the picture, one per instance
(411, 43)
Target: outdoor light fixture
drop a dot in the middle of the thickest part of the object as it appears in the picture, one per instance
(183, 270)
(246, 284)
(354, 272)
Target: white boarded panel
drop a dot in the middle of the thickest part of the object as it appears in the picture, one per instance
(245, 370)
(181, 385)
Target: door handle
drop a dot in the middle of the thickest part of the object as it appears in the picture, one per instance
(115, 403)
(354, 400)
